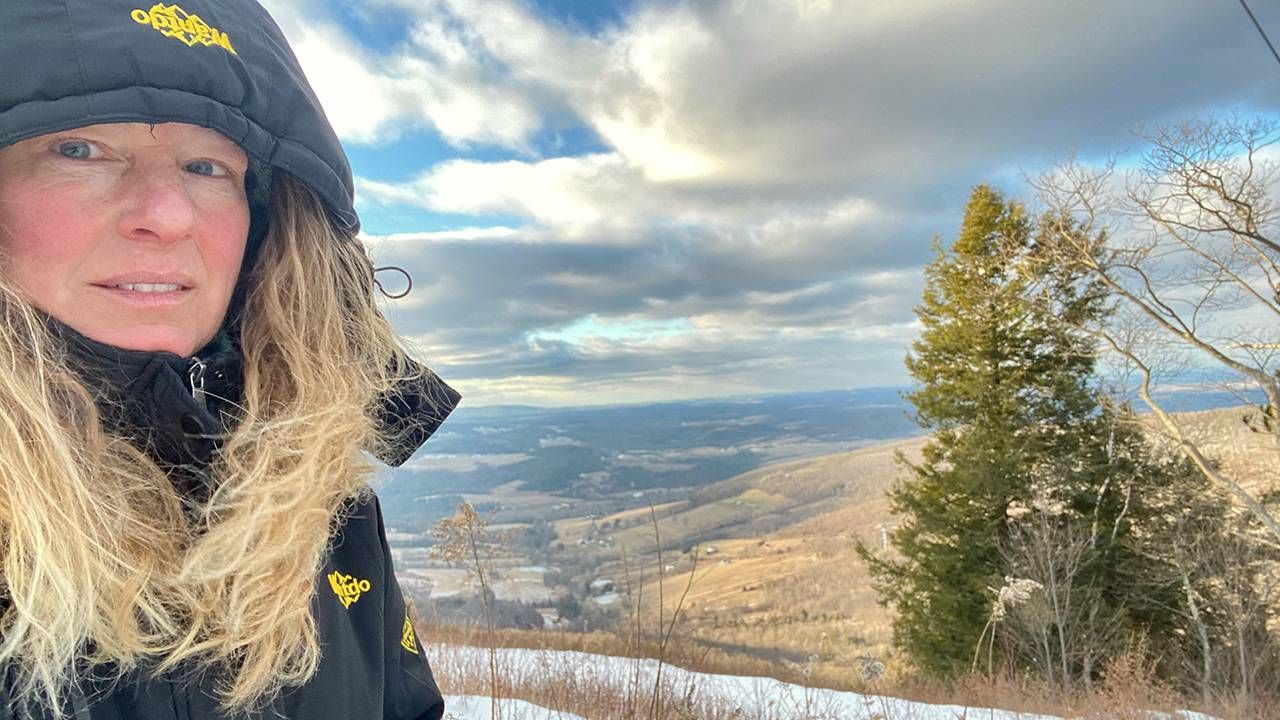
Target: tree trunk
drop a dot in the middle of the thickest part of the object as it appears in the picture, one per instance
(1206, 676)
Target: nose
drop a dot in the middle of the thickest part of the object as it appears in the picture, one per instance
(158, 207)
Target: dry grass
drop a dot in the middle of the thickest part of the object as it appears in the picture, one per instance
(586, 686)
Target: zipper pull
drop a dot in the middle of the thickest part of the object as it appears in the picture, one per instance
(195, 374)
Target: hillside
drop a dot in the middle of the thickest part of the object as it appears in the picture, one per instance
(604, 453)
(776, 575)
(1223, 435)
(770, 552)
(784, 581)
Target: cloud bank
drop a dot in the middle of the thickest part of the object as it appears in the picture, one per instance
(723, 197)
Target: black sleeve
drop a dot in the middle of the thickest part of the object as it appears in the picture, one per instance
(411, 692)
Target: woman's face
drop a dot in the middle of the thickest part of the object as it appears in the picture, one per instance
(132, 234)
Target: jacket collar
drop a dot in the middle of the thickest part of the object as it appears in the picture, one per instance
(179, 409)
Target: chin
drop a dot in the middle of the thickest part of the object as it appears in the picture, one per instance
(149, 340)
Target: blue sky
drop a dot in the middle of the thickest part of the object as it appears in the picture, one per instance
(607, 202)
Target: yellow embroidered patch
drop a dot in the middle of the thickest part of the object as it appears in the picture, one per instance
(174, 22)
(347, 588)
(407, 639)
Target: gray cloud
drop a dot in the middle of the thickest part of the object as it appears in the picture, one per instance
(752, 329)
(773, 176)
(794, 99)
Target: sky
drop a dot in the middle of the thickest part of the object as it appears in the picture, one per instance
(656, 200)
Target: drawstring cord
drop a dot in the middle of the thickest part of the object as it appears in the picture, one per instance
(79, 704)
(408, 278)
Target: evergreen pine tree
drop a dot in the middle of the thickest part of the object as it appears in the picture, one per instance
(1004, 375)
(1003, 384)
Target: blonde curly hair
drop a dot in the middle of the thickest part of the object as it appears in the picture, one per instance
(99, 562)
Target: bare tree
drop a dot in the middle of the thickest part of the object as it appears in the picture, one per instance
(1188, 240)
(1230, 583)
(1062, 628)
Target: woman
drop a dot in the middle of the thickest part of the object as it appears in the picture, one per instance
(192, 369)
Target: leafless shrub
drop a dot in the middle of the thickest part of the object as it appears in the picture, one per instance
(464, 539)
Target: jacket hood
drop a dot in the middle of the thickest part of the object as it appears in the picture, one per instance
(220, 64)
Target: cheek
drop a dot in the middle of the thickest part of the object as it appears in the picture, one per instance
(42, 240)
(228, 234)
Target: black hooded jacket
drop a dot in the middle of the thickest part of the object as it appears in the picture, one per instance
(223, 65)
(373, 665)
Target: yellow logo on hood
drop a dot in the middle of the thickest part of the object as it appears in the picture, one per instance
(347, 588)
(172, 21)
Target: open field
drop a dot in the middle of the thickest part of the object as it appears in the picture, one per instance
(784, 581)
(571, 530)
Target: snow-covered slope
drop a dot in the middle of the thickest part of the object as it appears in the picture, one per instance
(473, 707)
(753, 696)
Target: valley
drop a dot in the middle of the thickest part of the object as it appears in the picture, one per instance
(760, 563)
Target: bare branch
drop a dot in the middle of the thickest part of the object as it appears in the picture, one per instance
(1191, 450)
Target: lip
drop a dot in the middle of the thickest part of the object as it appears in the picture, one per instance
(148, 300)
(150, 278)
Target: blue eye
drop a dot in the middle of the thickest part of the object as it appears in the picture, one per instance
(75, 149)
(204, 167)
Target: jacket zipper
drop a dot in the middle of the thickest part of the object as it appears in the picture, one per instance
(195, 374)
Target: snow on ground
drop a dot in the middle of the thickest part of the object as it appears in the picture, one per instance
(474, 707)
(751, 694)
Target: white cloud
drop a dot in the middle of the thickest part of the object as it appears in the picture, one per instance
(568, 194)
(359, 102)
(439, 82)
(558, 441)
(602, 198)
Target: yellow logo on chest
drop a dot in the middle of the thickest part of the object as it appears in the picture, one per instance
(347, 588)
(174, 22)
